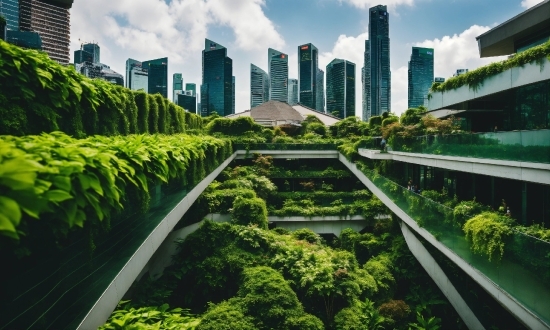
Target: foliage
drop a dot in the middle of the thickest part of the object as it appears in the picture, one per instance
(433, 323)
(466, 210)
(227, 315)
(488, 233)
(475, 78)
(150, 318)
(359, 316)
(412, 116)
(249, 211)
(535, 230)
(390, 120)
(396, 310)
(307, 235)
(233, 127)
(348, 127)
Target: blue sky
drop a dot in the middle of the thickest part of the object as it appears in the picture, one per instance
(147, 29)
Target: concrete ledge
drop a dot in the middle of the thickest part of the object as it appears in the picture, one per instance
(108, 301)
(375, 154)
(290, 154)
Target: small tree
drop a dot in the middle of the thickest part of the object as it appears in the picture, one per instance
(249, 211)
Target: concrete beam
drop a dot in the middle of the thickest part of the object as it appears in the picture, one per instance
(290, 154)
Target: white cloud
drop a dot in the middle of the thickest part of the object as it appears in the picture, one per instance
(392, 4)
(530, 3)
(399, 90)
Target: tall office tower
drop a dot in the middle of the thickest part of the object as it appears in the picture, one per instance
(320, 91)
(157, 76)
(380, 75)
(421, 75)
(278, 75)
(292, 91)
(233, 94)
(177, 86)
(188, 102)
(92, 48)
(259, 86)
(136, 76)
(3, 30)
(51, 20)
(365, 80)
(307, 75)
(217, 80)
(10, 10)
(341, 88)
(192, 88)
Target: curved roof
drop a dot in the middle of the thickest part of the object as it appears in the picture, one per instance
(275, 110)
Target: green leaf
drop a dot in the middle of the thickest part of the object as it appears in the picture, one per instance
(57, 195)
(10, 209)
(62, 182)
(7, 228)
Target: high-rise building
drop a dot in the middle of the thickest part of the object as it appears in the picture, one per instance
(341, 88)
(177, 86)
(217, 80)
(50, 19)
(233, 94)
(365, 81)
(188, 102)
(459, 72)
(92, 48)
(292, 91)
(191, 87)
(9, 9)
(421, 75)
(278, 75)
(157, 76)
(259, 86)
(3, 30)
(320, 93)
(307, 75)
(380, 75)
(439, 80)
(137, 77)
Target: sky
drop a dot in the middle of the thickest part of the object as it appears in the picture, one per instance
(149, 29)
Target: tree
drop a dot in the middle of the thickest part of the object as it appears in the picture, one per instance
(412, 116)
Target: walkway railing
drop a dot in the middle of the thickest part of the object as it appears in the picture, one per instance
(523, 272)
(284, 146)
(525, 146)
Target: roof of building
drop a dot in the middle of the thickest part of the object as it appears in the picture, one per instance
(327, 119)
(500, 39)
(67, 4)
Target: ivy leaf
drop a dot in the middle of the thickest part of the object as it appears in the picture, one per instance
(57, 195)
(7, 228)
(10, 210)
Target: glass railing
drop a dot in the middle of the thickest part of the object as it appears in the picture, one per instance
(525, 146)
(285, 146)
(58, 292)
(523, 271)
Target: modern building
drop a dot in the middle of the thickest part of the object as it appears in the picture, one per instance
(292, 91)
(94, 50)
(439, 79)
(3, 30)
(9, 9)
(191, 87)
(99, 71)
(365, 83)
(24, 39)
(341, 88)
(380, 75)
(157, 70)
(320, 94)
(278, 75)
(421, 75)
(459, 72)
(188, 102)
(307, 75)
(177, 86)
(217, 80)
(137, 77)
(50, 19)
(233, 94)
(259, 86)
(112, 76)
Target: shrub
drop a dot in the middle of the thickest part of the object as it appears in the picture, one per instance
(142, 103)
(306, 234)
(153, 114)
(163, 115)
(375, 121)
(487, 232)
(249, 211)
(227, 315)
(390, 120)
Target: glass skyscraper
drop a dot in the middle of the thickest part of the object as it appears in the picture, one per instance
(217, 83)
(320, 94)
(259, 86)
(380, 75)
(365, 80)
(233, 94)
(341, 88)
(421, 75)
(292, 91)
(94, 50)
(278, 75)
(191, 87)
(177, 86)
(137, 77)
(10, 10)
(158, 76)
(307, 75)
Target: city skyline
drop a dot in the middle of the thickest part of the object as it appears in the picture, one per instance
(338, 29)
(421, 75)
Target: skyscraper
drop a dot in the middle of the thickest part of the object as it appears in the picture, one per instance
(292, 91)
(421, 75)
(51, 20)
(217, 83)
(136, 76)
(380, 76)
(320, 93)
(177, 86)
(233, 94)
(341, 88)
(192, 88)
(93, 49)
(365, 80)
(278, 75)
(157, 76)
(259, 86)
(10, 10)
(307, 75)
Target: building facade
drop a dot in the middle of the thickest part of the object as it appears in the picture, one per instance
(52, 22)
(137, 77)
(380, 75)
(177, 86)
(217, 80)
(10, 10)
(307, 75)
(278, 75)
(192, 88)
(259, 86)
(365, 83)
(421, 75)
(157, 76)
(341, 88)
(94, 50)
(188, 102)
(292, 91)
(320, 94)
(233, 94)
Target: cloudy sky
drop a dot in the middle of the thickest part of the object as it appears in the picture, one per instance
(148, 29)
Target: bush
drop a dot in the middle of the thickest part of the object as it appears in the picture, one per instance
(153, 114)
(233, 127)
(390, 120)
(249, 211)
(142, 103)
(488, 233)
(227, 315)
(306, 234)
